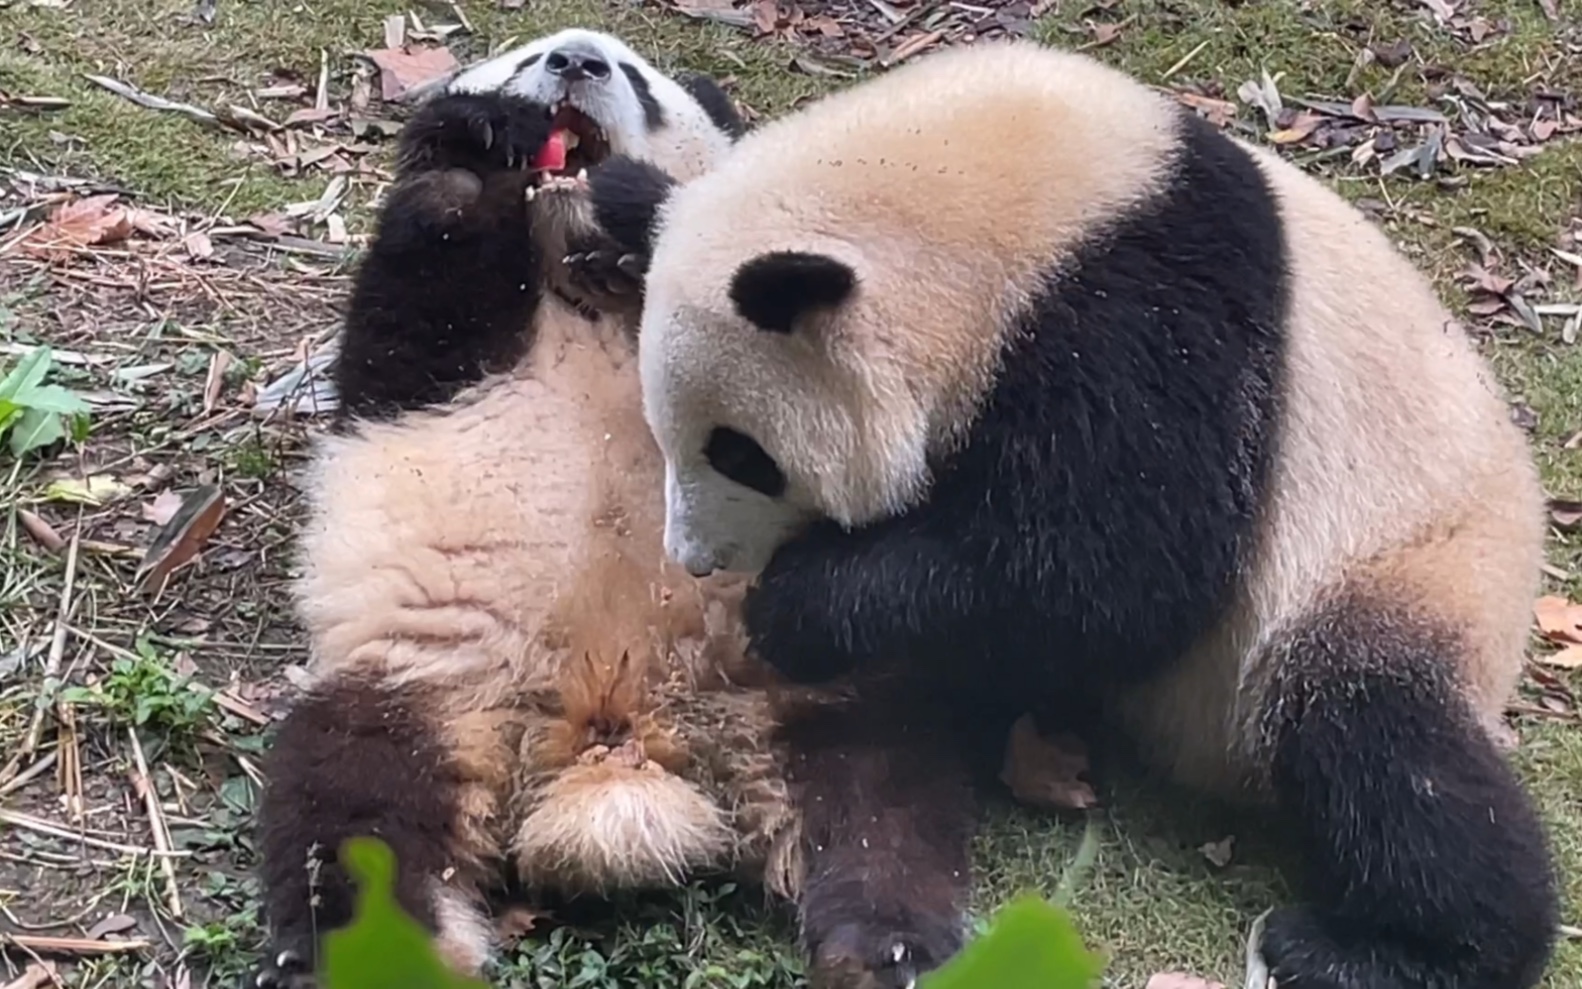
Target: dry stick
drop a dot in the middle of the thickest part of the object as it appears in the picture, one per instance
(31, 823)
(71, 945)
(57, 650)
(27, 775)
(156, 823)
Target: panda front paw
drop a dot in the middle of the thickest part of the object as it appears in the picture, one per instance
(482, 133)
(612, 278)
(797, 616)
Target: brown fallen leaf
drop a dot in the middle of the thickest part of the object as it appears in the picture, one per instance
(198, 245)
(1218, 852)
(518, 922)
(219, 363)
(1180, 980)
(1569, 658)
(42, 532)
(37, 974)
(180, 539)
(401, 69)
(1300, 130)
(80, 223)
(163, 508)
(1044, 772)
(1559, 619)
(115, 923)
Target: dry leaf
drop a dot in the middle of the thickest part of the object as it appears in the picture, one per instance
(180, 539)
(115, 923)
(1300, 130)
(1558, 619)
(1218, 852)
(80, 223)
(518, 922)
(1180, 980)
(1044, 772)
(163, 508)
(42, 532)
(401, 69)
(1569, 658)
(95, 490)
(34, 976)
(198, 245)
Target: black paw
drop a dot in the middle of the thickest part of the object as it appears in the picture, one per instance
(607, 273)
(1305, 951)
(875, 956)
(480, 132)
(284, 970)
(794, 618)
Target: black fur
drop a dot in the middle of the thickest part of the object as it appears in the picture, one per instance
(888, 814)
(653, 113)
(448, 289)
(773, 289)
(1428, 867)
(613, 264)
(1094, 522)
(351, 759)
(714, 102)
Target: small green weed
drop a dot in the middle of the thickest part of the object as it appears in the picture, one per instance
(35, 415)
(145, 692)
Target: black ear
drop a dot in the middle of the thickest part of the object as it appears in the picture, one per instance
(714, 102)
(626, 196)
(772, 290)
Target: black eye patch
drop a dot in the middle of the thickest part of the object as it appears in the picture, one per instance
(741, 459)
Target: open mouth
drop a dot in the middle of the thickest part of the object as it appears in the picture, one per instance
(576, 143)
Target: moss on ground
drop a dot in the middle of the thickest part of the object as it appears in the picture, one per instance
(1151, 899)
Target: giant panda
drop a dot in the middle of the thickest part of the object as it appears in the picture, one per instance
(504, 670)
(1007, 379)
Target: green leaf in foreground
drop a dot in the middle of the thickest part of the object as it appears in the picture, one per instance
(1030, 945)
(383, 947)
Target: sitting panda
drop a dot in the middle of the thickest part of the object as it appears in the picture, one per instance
(1127, 417)
(503, 666)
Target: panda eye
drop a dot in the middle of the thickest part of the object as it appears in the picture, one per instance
(739, 458)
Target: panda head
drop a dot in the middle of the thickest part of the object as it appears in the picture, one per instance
(612, 100)
(775, 406)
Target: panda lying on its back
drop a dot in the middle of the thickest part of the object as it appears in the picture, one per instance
(1123, 410)
(504, 668)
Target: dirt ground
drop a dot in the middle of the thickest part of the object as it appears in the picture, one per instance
(189, 288)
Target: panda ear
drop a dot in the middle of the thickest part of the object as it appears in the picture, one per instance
(773, 289)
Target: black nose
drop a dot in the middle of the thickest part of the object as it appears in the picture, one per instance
(572, 65)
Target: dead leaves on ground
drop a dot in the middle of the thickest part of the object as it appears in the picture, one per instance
(1560, 621)
(77, 224)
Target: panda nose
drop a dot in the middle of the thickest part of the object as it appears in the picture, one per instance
(573, 65)
(701, 569)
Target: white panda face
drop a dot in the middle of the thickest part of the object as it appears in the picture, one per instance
(609, 97)
(765, 420)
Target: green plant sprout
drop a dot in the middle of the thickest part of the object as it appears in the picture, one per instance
(1030, 944)
(34, 414)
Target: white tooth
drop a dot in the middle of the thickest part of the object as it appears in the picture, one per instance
(582, 175)
(572, 140)
(532, 191)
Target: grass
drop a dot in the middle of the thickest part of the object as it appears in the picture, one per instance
(1150, 899)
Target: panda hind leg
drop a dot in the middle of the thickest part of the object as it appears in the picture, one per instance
(356, 758)
(888, 812)
(1426, 863)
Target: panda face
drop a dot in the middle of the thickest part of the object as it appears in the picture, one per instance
(726, 507)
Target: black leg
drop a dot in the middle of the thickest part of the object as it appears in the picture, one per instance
(888, 816)
(1427, 864)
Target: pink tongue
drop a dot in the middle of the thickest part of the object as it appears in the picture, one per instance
(552, 155)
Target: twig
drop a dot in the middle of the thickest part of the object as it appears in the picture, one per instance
(31, 823)
(1570, 933)
(35, 975)
(27, 775)
(156, 823)
(72, 945)
(1182, 62)
(57, 650)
